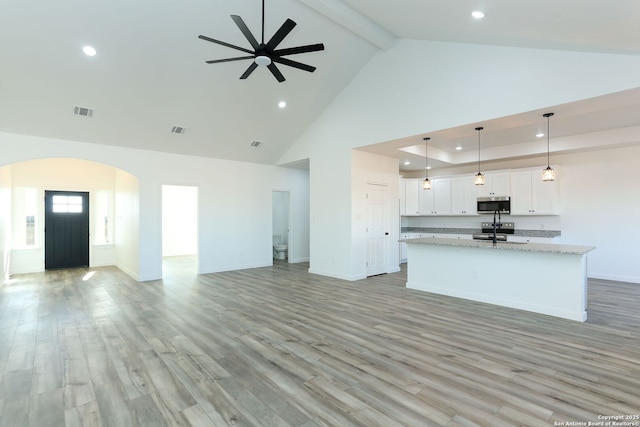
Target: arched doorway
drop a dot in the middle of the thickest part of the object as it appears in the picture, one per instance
(112, 198)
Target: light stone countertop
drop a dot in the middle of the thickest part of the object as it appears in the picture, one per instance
(512, 246)
(449, 230)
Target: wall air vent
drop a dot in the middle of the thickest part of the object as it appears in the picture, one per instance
(83, 111)
(178, 130)
(255, 144)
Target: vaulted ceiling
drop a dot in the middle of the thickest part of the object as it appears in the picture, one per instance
(149, 74)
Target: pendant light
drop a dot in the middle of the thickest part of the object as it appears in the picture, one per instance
(479, 177)
(426, 184)
(548, 174)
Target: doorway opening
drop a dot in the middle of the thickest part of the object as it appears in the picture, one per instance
(281, 228)
(66, 224)
(179, 229)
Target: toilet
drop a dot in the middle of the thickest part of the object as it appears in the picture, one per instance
(279, 250)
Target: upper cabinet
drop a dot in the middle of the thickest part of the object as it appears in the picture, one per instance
(409, 196)
(464, 195)
(458, 195)
(436, 201)
(531, 195)
(495, 184)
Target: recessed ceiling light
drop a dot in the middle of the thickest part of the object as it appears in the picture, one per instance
(428, 167)
(407, 163)
(458, 148)
(539, 135)
(477, 14)
(282, 104)
(89, 51)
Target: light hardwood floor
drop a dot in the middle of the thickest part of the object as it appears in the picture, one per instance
(278, 346)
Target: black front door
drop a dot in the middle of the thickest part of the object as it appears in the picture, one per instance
(66, 229)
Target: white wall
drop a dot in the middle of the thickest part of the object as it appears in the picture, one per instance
(601, 207)
(179, 220)
(420, 86)
(127, 235)
(280, 218)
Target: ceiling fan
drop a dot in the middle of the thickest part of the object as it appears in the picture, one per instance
(266, 54)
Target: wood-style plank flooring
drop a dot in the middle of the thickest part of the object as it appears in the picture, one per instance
(278, 346)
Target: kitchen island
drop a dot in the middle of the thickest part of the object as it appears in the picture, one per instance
(543, 278)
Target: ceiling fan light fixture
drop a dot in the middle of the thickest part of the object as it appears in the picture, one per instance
(548, 174)
(263, 60)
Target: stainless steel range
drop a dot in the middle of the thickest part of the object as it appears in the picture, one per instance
(502, 230)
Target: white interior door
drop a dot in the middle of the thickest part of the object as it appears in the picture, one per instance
(377, 233)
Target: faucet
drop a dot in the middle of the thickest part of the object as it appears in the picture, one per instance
(496, 225)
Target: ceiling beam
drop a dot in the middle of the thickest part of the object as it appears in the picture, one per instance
(353, 21)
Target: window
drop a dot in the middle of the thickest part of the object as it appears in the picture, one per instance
(67, 204)
(25, 210)
(102, 217)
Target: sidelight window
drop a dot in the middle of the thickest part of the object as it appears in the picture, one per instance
(25, 210)
(102, 217)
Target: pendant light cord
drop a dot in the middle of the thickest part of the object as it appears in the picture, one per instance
(479, 129)
(548, 120)
(548, 116)
(426, 157)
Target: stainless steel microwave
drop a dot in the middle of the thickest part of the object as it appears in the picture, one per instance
(493, 204)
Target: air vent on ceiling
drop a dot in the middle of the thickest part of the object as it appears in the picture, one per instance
(178, 130)
(256, 144)
(83, 111)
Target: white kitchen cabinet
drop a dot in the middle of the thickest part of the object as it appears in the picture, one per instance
(531, 195)
(401, 195)
(403, 247)
(436, 201)
(411, 189)
(464, 196)
(495, 184)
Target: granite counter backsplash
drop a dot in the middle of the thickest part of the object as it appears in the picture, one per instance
(443, 230)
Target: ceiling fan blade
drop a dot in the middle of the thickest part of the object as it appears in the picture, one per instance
(281, 34)
(294, 64)
(247, 73)
(299, 49)
(216, 61)
(276, 73)
(209, 39)
(245, 30)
